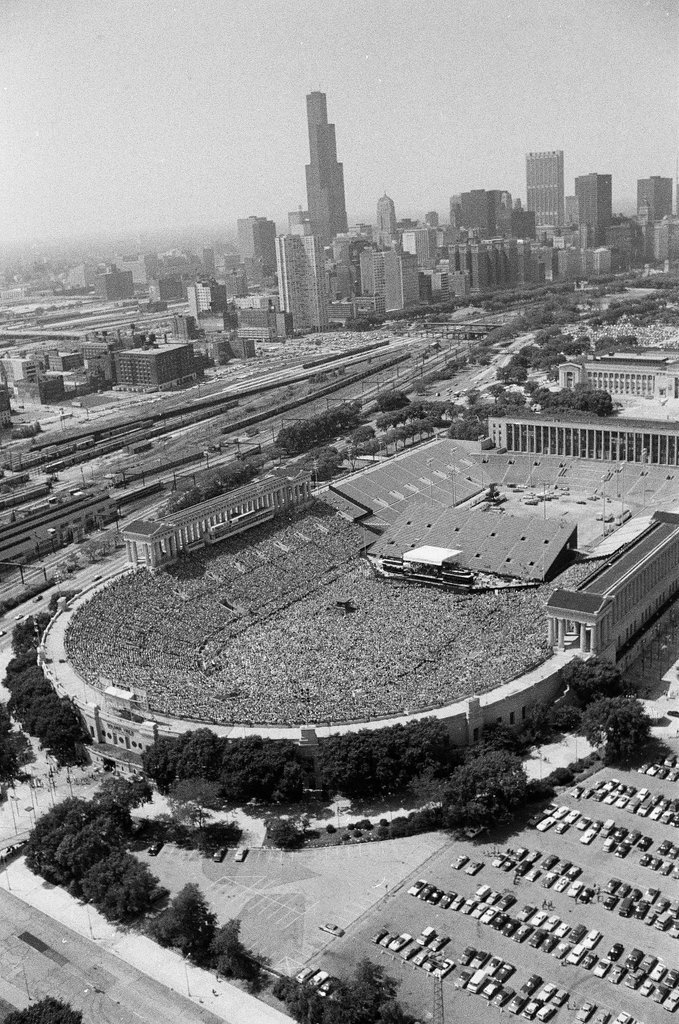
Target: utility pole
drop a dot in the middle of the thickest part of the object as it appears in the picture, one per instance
(437, 1015)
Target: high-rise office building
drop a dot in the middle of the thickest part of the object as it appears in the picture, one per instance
(420, 243)
(257, 240)
(595, 206)
(544, 186)
(477, 212)
(571, 211)
(324, 175)
(392, 278)
(301, 280)
(386, 221)
(431, 219)
(656, 193)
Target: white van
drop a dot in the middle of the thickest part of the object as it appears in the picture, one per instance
(477, 981)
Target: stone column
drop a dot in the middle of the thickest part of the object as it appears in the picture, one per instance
(561, 633)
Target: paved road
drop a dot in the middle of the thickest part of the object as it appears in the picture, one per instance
(112, 976)
(39, 957)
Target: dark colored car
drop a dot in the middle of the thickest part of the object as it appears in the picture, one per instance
(155, 848)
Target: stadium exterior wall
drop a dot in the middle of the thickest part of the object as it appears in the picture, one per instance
(121, 740)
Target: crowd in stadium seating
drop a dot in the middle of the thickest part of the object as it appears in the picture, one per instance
(256, 630)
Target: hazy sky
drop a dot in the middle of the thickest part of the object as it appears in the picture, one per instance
(125, 114)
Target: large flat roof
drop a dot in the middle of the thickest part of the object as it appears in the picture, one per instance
(607, 580)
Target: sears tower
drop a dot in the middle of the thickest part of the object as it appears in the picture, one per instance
(324, 175)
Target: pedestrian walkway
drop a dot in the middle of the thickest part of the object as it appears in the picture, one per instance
(226, 1001)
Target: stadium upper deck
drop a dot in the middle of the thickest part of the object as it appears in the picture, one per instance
(612, 607)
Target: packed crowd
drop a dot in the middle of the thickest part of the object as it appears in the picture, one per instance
(287, 624)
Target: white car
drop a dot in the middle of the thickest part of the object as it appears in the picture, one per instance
(656, 812)
(489, 915)
(575, 889)
(546, 993)
(562, 884)
(562, 931)
(552, 923)
(591, 939)
(561, 812)
(417, 887)
(588, 837)
(400, 941)
(546, 824)
(572, 817)
(577, 954)
(546, 1013)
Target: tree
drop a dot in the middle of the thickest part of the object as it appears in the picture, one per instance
(160, 761)
(620, 723)
(590, 680)
(388, 400)
(14, 747)
(120, 886)
(46, 1011)
(188, 924)
(485, 790)
(362, 434)
(192, 799)
(231, 958)
(284, 834)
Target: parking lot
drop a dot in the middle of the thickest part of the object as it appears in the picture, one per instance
(284, 899)
(592, 868)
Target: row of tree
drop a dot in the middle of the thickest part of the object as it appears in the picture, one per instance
(304, 435)
(367, 763)
(82, 846)
(52, 719)
(213, 482)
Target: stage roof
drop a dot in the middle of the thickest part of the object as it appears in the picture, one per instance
(430, 555)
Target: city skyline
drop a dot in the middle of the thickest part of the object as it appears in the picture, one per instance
(157, 127)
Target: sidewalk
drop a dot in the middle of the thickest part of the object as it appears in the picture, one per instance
(168, 968)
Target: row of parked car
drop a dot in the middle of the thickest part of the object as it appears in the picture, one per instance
(423, 952)
(315, 978)
(614, 793)
(485, 976)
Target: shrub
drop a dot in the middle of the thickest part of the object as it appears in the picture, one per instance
(330, 829)
(351, 826)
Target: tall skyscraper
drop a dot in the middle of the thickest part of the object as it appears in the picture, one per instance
(657, 194)
(386, 221)
(544, 186)
(595, 206)
(391, 277)
(571, 211)
(324, 175)
(257, 240)
(301, 280)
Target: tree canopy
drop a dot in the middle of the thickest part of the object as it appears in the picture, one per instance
(188, 924)
(231, 958)
(485, 790)
(590, 680)
(46, 1011)
(367, 997)
(620, 724)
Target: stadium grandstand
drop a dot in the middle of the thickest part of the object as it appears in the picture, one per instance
(649, 442)
(444, 471)
(527, 548)
(610, 610)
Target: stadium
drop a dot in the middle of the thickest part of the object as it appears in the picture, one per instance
(290, 615)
